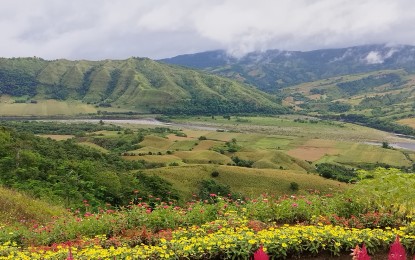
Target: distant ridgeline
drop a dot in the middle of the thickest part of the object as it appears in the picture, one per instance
(275, 69)
(136, 83)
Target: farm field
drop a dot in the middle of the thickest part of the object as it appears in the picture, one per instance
(292, 126)
(46, 108)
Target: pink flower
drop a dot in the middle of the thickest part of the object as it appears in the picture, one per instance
(70, 256)
(294, 205)
(397, 251)
(360, 254)
(363, 254)
(212, 195)
(260, 254)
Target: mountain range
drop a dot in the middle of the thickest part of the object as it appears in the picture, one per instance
(275, 69)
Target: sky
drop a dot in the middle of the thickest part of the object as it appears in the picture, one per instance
(119, 29)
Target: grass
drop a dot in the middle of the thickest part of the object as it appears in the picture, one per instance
(407, 121)
(94, 146)
(46, 108)
(18, 206)
(185, 145)
(203, 157)
(248, 181)
(352, 153)
(286, 127)
(314, 149)
(157, 142)
(156, 158)
(206, 145)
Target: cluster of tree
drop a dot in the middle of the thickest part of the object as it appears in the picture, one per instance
(376, 123)
(368, 83)
(315, 91)
(86, 82)
(112, 84)
(15, 83)
(57, 91)
(382, 100)
(209, 190)
(336, 172)
(120, 144)
(66, 173)
(45, 127)
(338, 107)
(218, 106)
(242, 163)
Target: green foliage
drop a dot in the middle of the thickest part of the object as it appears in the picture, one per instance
(358, 86)
(336, 172)
(209, 189)
(385, 145)
(338, 107)
(242, 163)
(390, 190)
(44, 127)
(294, 186)
(120, 144)
(153, 186)
(381, 124)
(16, 83)
(62, 171)
(214, 174)
(136, 84)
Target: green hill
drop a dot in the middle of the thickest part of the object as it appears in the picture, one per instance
(135, 84)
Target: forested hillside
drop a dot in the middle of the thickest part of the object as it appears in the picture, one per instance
(137, 84)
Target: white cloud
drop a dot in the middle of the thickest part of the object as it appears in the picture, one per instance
(374, 58)
(99, 29)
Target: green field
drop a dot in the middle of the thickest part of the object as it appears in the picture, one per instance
(248, 181)
(46, 108)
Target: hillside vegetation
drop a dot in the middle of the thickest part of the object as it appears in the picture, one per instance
(136, 84)
(276, 69)
(377, 99)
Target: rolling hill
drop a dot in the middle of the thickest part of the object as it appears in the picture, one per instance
(135, 84)
(275, 69)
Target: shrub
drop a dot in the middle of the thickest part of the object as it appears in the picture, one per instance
(294, 186)
(214, 174)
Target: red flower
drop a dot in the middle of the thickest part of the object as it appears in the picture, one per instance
(397, 251)
(363, 254)
(360, 254)
(70, 256)
(260, 254)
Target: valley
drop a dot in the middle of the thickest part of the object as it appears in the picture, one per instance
(124, 158)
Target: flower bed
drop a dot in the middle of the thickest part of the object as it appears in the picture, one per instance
(228, 238)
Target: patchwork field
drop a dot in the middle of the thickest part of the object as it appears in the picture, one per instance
(306, 143)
